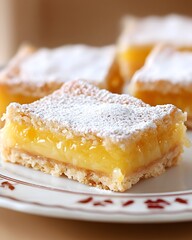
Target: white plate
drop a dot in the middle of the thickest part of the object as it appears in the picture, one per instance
(167, 198)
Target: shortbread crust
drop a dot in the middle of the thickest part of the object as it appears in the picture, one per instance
(88, 177)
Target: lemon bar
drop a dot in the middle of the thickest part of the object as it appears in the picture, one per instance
(165, 78)
(140, 35)
(35, 73)
(98, 138)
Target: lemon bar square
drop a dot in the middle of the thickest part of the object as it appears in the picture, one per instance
(35, 73)
(140, 35)
(90, 135)
(165, 78)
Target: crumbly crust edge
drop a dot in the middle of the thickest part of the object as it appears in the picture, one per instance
(88, 177)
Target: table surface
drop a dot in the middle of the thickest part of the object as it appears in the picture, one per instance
(15, 225)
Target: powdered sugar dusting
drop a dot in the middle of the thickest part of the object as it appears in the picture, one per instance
(82, 87)
(89, 114)
(167, 64)
(173, 29)
(68, 63)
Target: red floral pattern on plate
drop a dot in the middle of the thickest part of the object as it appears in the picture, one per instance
(121, 204)
(7, 184)
(158, 203)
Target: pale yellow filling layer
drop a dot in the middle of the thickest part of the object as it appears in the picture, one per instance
(94, 155)
(133, 58)
(6, 97)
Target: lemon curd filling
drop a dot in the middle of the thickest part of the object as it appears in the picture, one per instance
(94, 155)
(7, 97)
(133, 58)
(114, 79)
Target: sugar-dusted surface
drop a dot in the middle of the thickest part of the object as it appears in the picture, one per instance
(67, 63)
(81, 87)
(168, 65)
(94, 112)
(174, 29)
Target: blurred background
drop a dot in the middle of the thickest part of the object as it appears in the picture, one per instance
(55, 22)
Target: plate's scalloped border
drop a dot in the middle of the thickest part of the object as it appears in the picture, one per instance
(118, 195)
(97, 211)
(151, 205)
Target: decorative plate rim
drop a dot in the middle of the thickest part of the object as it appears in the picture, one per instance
(114, 195)
(156, 208)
